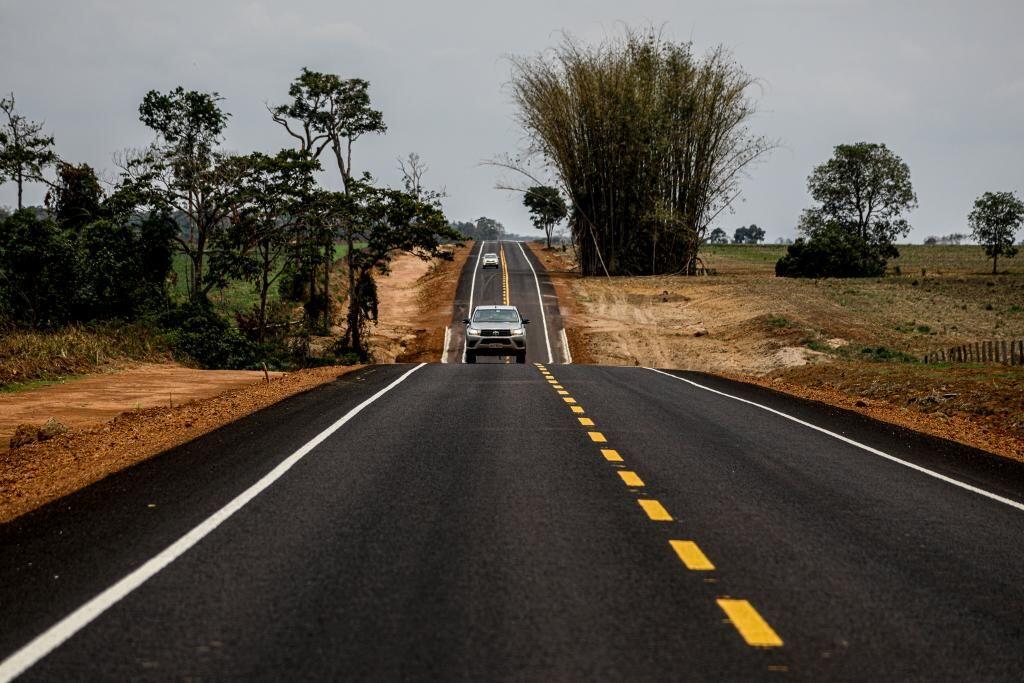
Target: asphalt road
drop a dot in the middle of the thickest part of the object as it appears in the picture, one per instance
(527, 287)
(468, 522)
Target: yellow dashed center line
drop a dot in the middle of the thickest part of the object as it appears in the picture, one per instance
(751, 626)
(692, 556)
(504, 275)
(630, 478)
(611, 455)
(754, 629)
(655, 510)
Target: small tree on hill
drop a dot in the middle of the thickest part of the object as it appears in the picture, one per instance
(547, 208)
(748, 235)
(24, 150)
(718, 236)
(995, 219)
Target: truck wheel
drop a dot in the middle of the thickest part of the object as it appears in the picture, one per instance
(521, 358)
(470, 357)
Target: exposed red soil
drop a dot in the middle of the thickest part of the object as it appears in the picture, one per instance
(97, 398)
(38, 473)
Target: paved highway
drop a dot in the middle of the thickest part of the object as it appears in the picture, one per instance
(545, 521)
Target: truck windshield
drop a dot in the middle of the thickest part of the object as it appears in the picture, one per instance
(496, 315)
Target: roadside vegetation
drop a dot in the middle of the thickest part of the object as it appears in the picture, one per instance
(224, 260)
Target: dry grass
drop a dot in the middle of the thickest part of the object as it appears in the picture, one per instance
(27, 356)
(850, 342)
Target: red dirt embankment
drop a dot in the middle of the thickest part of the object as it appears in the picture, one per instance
(38, 473)
(415, 307)
(98, 398)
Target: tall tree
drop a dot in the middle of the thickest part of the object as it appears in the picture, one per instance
(648, 141)
(183, 174)
(389, 222)
(327, 111)
(995, 219)
(864, 189)
(24, 150)
(274, 205)
(547, 208)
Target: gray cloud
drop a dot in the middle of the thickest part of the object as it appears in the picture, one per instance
(940, 82)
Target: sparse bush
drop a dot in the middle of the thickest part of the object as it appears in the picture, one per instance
(882, 354)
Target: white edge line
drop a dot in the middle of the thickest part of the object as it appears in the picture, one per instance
(447, 340)
(472, 289)
(53, 637)
(540, 300)
(565, 343)
(869, 449)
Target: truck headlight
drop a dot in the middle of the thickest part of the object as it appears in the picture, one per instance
(519, 331)
(473, 331)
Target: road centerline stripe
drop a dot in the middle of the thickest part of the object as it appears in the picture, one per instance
(586, 421)
(692, 556)
(754, 629)
(597, 437)
(611, 455)
(50, 639)
(630, 478)
(655, 510)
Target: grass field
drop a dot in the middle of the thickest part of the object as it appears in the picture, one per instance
(238, 297)
(913, 259)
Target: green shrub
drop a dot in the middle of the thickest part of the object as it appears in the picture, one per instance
(207, 339)
(832, 253)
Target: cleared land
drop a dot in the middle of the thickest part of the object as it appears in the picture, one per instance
(853, 343)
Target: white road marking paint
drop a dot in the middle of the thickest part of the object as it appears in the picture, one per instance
(447, 339)
(565, 345)
(472, 289)
(53, 637)
(540, 300)
(869, 449)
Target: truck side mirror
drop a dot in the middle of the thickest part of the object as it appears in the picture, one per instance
(526, 321)
(465, 321)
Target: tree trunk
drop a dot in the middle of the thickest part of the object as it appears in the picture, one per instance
(995, 259)
(20, 180)
(264, 288)
(328, 263)
(353, 304)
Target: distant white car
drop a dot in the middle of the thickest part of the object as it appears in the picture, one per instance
(491, 260)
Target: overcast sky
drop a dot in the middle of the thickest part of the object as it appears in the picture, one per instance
(940, 82)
